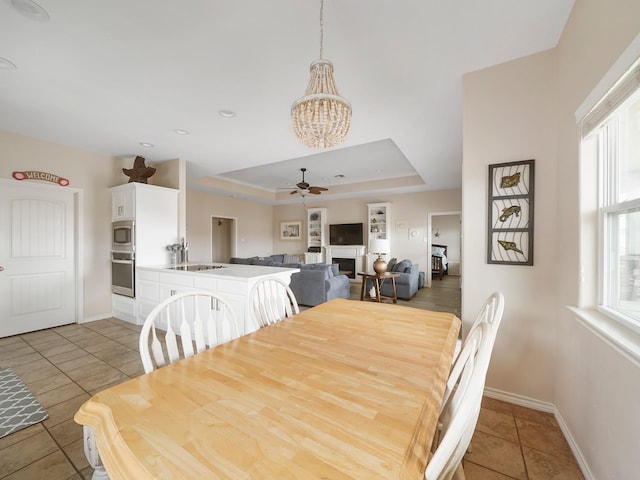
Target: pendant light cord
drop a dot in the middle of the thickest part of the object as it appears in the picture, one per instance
(321, 27)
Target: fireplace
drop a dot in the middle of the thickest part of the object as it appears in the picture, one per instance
(346, 266)
(354, 254)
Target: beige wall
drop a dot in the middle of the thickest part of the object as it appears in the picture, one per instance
(254, 224)
(525, 109)
(414, 208)
(91, 172)
(596, 387)
(259, 225)
(503, 125)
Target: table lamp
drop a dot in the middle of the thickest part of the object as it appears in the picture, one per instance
(379, 247)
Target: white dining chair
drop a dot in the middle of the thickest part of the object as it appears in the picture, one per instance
(462, 409)
(196, 317)
(491, 313)
(272, 300)
(483, 332)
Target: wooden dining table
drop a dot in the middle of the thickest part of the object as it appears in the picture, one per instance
(344, 390)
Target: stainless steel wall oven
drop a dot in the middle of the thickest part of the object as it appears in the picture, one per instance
(123, 247)
(123, 273)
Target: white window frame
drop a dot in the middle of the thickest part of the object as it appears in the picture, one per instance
(608, 205)
(615, 333)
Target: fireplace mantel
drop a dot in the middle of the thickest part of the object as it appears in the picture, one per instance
(357, 252)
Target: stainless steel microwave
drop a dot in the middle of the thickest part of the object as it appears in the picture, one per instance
(123, 236)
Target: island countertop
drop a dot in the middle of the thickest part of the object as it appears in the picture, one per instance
(220, 270)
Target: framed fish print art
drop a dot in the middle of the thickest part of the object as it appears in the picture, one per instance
(510, 213)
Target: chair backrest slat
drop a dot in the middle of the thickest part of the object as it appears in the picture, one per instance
(185, 330)
(184, 312)
(170, 338)
(271, 300)
(156, 348)
(199, 330)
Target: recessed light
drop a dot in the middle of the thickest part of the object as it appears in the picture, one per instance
(146, 145)
(7, 65)
(179, 131)
(227, 113)
(338, 176)
(31, 10)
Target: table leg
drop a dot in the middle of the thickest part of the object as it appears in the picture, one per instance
(376, 282)
(393, 290)
(364, 286)
(93, 457)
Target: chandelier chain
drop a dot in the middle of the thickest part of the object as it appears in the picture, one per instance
(321, 27)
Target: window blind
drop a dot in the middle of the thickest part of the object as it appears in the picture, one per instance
(622, 90)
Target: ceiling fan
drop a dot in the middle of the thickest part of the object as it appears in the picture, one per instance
(304, 188)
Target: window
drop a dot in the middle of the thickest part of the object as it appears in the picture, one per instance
(611, 134)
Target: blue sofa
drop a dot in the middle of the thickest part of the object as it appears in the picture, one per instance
(314, 284)
(270, 261)
(407, 283)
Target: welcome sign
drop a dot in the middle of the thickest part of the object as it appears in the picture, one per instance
(47, 177)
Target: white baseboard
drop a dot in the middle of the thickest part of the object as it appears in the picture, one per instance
(582, 463)
(520, 400)
(549, 408)
(94, 318)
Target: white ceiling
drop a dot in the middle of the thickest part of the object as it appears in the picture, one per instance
(107, 75)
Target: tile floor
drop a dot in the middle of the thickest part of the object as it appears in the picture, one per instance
(65, 365)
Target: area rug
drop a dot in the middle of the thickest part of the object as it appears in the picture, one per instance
(18, 407)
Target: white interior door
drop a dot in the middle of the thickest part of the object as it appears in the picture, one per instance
(37, 257)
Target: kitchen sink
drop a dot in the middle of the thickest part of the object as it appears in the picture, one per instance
(195, 268)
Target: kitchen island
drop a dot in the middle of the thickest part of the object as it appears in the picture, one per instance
(233, 282)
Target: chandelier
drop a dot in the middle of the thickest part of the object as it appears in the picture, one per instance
(322, 117)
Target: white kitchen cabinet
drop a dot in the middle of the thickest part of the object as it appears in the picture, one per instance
(154, 286)
(123, 203)
(234, 292)
(233, 283)
(155, 212)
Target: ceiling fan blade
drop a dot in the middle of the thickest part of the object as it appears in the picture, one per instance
(293, 192)
(319, 189)
(316, 190)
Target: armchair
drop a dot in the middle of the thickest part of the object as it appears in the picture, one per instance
(318, 283)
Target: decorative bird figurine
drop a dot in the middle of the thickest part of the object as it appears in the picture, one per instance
(140, 172)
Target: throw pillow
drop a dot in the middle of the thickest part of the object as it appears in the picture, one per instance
(437, 251)
(391, 263)
(335, 269)
(400, 267)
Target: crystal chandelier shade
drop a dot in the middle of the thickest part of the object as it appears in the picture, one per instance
(321, 118)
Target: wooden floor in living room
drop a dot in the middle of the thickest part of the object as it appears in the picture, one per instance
(443, 296)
